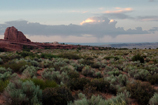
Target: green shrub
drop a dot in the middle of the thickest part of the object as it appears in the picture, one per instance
(1, 61)
(109, 57)
(77, 83)
(57, 96)
(140, 74)
(100, 84)
(48, 56)
(9, 56)
(73, 74)
(57, 76)
(154, 100)
(3, 85)
(22, 93)
(120, 99)
(34, 63)
(97, 74)
(43, 84)
(79, 67)
(142, 92)
(138, 57)
(88, 71)
(153, 79)
(114, 72)
(69, 56)
(15, 65)
(86, 62)
(26, 53)
(29, 72)
(5, 73)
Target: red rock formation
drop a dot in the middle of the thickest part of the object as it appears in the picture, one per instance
(12, 34)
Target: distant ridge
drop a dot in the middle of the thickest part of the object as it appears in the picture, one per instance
(133, 45)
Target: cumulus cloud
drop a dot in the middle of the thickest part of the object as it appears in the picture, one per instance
(100, 27)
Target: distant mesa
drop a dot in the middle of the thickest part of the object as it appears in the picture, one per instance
(15, 40)
(12, 34)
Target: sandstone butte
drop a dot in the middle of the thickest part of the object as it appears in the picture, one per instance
(15, 40)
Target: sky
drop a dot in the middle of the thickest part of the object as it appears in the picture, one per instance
(82, 21)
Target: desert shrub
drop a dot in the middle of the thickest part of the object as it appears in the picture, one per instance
(129, 68)
(117, 81)
(69, 56)
(9, 56)
(88, 57)
(26, 53)
(89, 90)
(48, 56)
(15, 65)
(34, 63)
(140, 74)
(86, 62)
(65, 68)
(57, 96)
(29, 72)
(47, 63)
(88, 71)
(114, 72)
(59, 64)
(47, 73)
(5, 73)
(1, 61)
(138, 57)
(81, 101)
(77, 83)
(57, 76)
(142, 92)
(73, 74)
(43, 84)
(22, 93)
(100, 84)
(3, 85)
(108, 68)
(153, 69)
(109, 57)
(123, 79)
(78, 67)
(97, 74)
(154, 100)
(120, 99)
(97, 65)
(153, 79)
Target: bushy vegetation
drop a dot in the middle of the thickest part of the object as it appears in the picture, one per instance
(57, 96)
(138, 57)
(142, 92)
(79, 77)
(22, 93)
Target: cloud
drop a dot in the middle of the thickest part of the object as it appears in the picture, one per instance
(147, 18)
(154, 29)
(99, 28)
(120, 10)
(118, 16)
(121, 13)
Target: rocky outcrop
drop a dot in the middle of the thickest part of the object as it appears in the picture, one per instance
(12, 34)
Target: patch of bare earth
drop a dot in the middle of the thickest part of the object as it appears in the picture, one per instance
(1, 100)
(39, 72)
